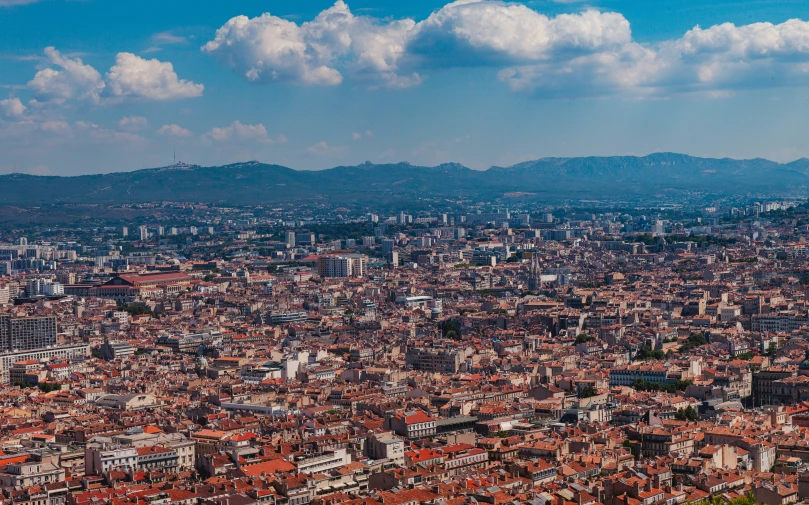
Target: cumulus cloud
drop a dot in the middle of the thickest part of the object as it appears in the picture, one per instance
(12, 107)
(133, 123)
(715, 62)
(66, 79)
(269, 49)
(173, 130)
(237, 131)
(94, 132)
(323, 149)
(495, 33)
(581, 54)
(56, 127)
(359, 136)
(136, 77)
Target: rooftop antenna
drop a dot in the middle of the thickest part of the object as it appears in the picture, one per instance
(175, 155)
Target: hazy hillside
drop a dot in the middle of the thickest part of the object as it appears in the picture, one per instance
(548, 178)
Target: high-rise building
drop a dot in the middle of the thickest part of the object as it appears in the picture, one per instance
(342, 265)
(125, 231)
(289, 238)
(161, 231)
(144, 233)
(305, 238)
(26, 333)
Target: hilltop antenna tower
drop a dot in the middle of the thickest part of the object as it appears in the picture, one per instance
(175, 155)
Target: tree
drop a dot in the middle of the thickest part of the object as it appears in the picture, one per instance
(451, 328)
(645, 353)
(588, 391)
(137, 310)
(583, 337)
(694, 341)
(665, 387)
(771, 350)
(47, 387)
(687, 414)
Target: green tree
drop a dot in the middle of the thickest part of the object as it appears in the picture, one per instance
(687, 414)
(694, 341)
(588, 391)
(645, 353)
(451, 328)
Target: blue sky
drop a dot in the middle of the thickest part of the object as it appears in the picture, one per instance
(93, 86)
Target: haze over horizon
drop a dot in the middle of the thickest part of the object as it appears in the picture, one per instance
(180, 164)
(96, 87)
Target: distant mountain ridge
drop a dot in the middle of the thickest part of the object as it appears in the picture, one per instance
(550, 179)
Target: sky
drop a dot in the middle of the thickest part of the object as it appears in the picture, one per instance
(97, 86)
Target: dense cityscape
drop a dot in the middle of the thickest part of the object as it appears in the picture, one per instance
(377, 252)
(292, 356)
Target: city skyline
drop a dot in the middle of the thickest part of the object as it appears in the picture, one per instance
(476, 82)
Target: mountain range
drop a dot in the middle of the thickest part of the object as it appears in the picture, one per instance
(548, 179)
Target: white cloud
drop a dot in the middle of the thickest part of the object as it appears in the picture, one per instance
(166, 38)
(713, 62)
(270, 49)
(133, 123)
(359, 135)
(94, 132)
(470, 32)
(173, 130)
(240, 132)
(71, 80)
(135, 77)
(323, 149)
(66, 79)
(56, 127)
(12, 107)
(581, 54)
